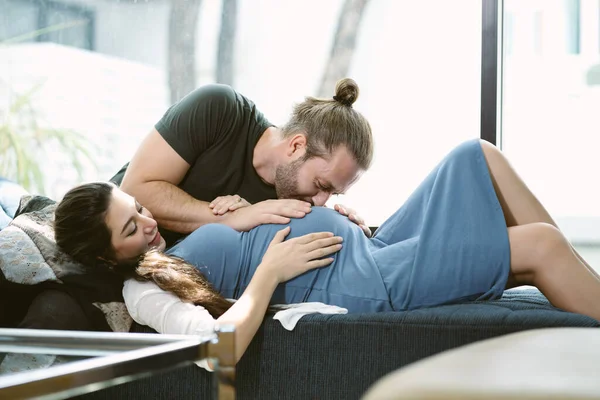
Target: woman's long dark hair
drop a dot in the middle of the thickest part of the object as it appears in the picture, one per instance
(81, 232)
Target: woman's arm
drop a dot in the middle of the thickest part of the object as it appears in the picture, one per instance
(248, 312)
(166, 313)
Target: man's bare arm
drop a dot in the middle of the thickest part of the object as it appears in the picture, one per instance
(176, 210)
(152, 178)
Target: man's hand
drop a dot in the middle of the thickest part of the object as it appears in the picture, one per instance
(266, 212)
(224, 204)
(352, 216)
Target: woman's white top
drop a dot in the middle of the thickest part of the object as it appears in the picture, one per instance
(166, 313)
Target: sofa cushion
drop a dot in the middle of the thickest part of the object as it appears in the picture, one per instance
(29, 257)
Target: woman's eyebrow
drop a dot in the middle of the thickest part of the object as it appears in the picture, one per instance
(130, 218)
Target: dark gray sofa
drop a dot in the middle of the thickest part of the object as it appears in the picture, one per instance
(340, 356)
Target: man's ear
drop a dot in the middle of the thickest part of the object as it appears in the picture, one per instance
(297, 145)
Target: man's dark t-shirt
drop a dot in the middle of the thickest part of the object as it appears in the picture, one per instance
(215, 130)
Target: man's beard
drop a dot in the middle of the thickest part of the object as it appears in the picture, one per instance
(286, 180)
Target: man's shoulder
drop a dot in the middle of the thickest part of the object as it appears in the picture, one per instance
(212, 92)
(221, 99)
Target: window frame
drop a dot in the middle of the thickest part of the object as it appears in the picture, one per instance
(492, 12)
(44, 7)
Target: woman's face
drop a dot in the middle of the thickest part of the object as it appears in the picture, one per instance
(133, 230)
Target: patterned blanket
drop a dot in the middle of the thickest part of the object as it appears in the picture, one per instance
(29, 256)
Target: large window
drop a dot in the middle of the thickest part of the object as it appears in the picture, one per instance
(419, 67)
(417, 64)
(551, 106)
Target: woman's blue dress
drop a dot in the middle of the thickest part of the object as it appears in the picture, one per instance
(448, 243)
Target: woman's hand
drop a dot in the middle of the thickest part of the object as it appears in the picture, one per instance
(224, 204)
(282, 261)
(266, 212)
(286, 260)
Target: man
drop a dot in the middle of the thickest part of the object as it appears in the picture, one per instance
(215, 143)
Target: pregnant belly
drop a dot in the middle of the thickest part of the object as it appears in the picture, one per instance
(352, 275)
(320, 219)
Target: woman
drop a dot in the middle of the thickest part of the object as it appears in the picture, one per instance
(469, 231)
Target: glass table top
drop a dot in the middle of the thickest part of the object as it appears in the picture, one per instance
(46, 364)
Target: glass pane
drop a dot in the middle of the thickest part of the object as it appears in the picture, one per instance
(418, 72)
(75, 25)
(417, 65)
(63, 364)
(12, 363)
(550, 110)
(17, 18)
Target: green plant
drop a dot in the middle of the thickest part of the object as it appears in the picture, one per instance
(25, 139)
(25, 143)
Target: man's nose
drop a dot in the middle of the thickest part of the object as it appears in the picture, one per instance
(321, 198)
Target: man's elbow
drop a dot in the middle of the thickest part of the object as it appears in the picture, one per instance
(136, 187)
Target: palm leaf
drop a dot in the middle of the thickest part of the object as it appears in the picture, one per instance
(43, 31)
(22, 141)
(4, 142)
(75, 145)
(23, 99)
(22, 144)
(22, 162)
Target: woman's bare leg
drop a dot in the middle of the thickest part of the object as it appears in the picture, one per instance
(519, 204)
(542, 256)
